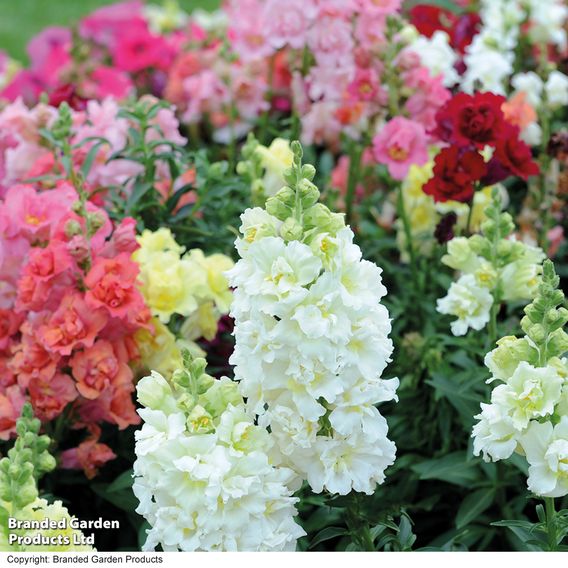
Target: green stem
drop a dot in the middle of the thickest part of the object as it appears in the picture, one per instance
(469, 217)
(493, 324)
(232, 149)
(551, 523)
(409, 242)
(358, 526)
(269, 96)
(355, 152)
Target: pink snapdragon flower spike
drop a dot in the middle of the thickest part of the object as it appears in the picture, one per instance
(248, 29)
(400, 144)
(289, 27)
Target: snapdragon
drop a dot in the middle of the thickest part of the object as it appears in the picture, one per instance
(27, 522)
(312, 339)
(494, 268)
(203, 476)
(528, 413)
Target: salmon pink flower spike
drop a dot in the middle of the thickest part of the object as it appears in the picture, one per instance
(74, 324)
(112, 285)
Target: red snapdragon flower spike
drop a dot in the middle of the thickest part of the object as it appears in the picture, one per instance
(461, 29)
(428, 19)
(515, 155)
(471, 120)
(464, 30)
(67, 93)
(455, 172)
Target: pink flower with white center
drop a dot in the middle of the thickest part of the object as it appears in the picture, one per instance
(248, 29)
(331, 41)
(289, 25)
(400, 144)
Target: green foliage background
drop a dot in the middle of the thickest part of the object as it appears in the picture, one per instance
(22, 19)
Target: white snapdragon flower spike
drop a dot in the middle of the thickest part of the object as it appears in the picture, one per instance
(530, 84)
(436, 54)
(493, 267)
(203, 475)
(532, 392)
(556, 89)
(494, 435)
(312, 340)
(469, 302)
(528, 413)
(546, 449)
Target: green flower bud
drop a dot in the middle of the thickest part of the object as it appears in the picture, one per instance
(480, 245)
(27, 494)
(308, 172)
(277, 208)
(505, 358)
(72, 228)
(537, 333)
(218, 397)
(46, 462)
(291, 230)
(297, 150)
(155, 392)
(290, 176)
(557, 344)
(309, 193)
(97, 220)
(317, 216)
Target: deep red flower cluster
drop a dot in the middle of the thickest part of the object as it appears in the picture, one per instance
(460, 28)
(69, 308)
(469, 124)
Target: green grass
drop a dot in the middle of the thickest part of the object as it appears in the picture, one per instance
(22, 19)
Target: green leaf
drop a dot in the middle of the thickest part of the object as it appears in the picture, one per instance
(473, 505)
(526, 532)
(452, 468)
(327, 534)
(123, 481)
(139, 190)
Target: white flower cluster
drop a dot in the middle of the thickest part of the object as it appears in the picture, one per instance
(492, 270)
(491, 56)
(437, 55)
(202, 473)
(552, 94)
(312, 341)
(528, 413)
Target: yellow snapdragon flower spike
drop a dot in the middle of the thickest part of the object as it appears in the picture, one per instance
(62, 539)
(275, 159)
(169, 284)
(158, 348)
